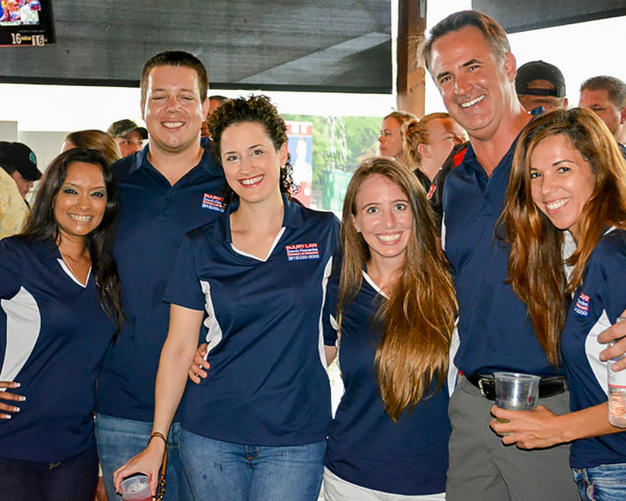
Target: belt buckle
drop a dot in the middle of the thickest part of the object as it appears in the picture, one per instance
(480, 387)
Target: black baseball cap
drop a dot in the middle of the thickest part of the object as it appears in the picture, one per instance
(539, 70)
(122, 128)
(19, 157)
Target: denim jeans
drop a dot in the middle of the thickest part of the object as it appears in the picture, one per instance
(73, 479)
(606, 482)
(120, 439)
(225, 471)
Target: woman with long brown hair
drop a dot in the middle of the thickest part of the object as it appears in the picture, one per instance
(568, 177)
(61, 308)
(392, 306)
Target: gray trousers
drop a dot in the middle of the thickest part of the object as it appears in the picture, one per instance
(483, 469)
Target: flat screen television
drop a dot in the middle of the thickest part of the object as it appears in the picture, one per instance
(26, 23)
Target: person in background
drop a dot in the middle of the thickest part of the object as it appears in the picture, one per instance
(469, 57)
(390, 139)
(96, 140)
(61, 308)
(255, 428)
(540, 84)
(390, 308)
(13, 208)
(569, 176)
(168, 188)
(20, 162)
(427, 144)
(214, 102)
(606, 97)
(128, 135)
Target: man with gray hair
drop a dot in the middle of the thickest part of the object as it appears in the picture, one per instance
(469, 57)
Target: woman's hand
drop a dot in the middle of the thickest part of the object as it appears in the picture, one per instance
(199, 364)
(617, 332)
(147, 462)
(11, 397)
(534, 429)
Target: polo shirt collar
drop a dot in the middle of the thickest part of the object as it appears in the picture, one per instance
(292, 217)
(207, 161)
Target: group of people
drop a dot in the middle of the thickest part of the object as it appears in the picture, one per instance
(189, 259)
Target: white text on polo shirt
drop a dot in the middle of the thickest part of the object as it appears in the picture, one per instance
(213, 202)
(582, 305)
(300, 252)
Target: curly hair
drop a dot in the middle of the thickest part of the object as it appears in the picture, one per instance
(41, 224)
(258, 109)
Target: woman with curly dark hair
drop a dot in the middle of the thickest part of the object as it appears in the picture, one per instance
(60, 310)
(255, 428)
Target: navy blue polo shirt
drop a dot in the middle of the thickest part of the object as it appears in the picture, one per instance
(496, 333)
(267, 384)
(365, 446)
(153, 220)
(595, 308)
(53, 336)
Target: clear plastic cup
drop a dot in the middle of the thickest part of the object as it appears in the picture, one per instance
(136, 488)
(516, 391)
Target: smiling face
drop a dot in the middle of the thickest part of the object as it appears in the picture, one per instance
(80, 203)
(476, 87)
(390, 138)
(173, 110)
(561, 182)
(250, 161)
(384, 218)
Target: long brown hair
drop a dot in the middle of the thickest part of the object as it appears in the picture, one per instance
(420, 312)
(536, 264)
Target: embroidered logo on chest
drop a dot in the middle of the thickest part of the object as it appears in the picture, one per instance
(213, 202)
(582, 305)
(302, 252)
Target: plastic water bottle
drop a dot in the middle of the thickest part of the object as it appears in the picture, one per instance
(617, 393)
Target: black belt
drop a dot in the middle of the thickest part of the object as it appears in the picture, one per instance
(548, 386)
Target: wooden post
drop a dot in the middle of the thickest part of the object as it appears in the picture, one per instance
(410, 84)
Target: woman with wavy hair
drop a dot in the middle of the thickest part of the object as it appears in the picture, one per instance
(569, 178)
(60, 310)
(392, 306)
(255, 428)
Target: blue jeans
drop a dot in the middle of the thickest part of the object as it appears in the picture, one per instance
(121, 439)
(29, 480)
(606, 482)
(225, 471)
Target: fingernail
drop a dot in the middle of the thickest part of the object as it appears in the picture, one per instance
(17, 385)
(16, 409)
(22, 398)
(5, 416)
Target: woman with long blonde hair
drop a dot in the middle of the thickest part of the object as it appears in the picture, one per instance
(392, 306)
(568, 177)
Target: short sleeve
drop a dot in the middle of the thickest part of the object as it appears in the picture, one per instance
(11, 267)
(606, 274)
(184, 287)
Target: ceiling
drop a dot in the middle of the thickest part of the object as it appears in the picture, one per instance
(326, 45)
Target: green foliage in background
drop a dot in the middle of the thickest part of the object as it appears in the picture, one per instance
(340, 143)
